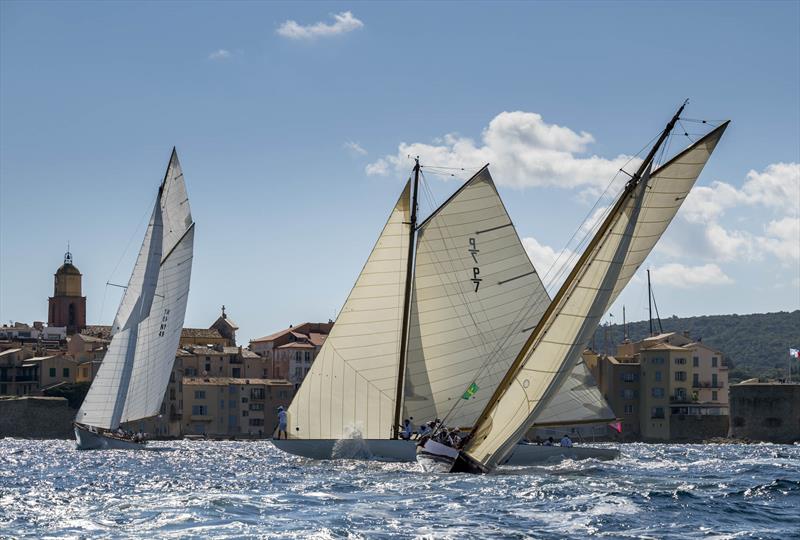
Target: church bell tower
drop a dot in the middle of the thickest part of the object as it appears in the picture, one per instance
(67, 306)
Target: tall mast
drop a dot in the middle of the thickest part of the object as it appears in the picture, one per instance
(649, 302)
(624, 326)
(401, 374)
(607, 223)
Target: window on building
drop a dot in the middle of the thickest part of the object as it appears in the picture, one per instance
(208, 367)
(199, 394)
(231, 403)
(713, 361)
(308, 357)
(298, 372)
(256, 406)
(236, 372)
(657, 412)
(714, 395)
(191, 372)
(297, 356)
(627, 394)
(657, 360)
(680, 375)
(222, 404)
(256, 421)
(52, 372)
(65, 372)
(696, 361)
(199, 410)
(657, 392)
(208, 359)
(172, 394)
(628, 409)
(657, 375)
(245, 400)
(696, 380)
(629, 377)
(714, 381)
(245, 413)
(680, 361)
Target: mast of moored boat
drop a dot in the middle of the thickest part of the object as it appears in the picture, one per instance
(401, 370)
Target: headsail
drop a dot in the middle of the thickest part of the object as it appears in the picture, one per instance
(353, 380)
(577, 401)
(626, 237)
(135, 371)
(475, 290)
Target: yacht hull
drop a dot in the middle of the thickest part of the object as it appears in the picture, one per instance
(406, 451)
(90, 440)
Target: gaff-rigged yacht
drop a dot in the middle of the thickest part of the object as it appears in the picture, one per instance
(630, 230)
(432, 324)
(133, 377)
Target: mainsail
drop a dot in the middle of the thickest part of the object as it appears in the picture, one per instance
(475, 291)
(352, 383)
(627, 235)
(147, 328)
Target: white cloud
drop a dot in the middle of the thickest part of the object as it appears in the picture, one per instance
(523, 149)
(777, 188)
(343, 22)
(549, 263)
(685, 277)
(220, 54)
(355, 148)
(731, 245)
(783, 239)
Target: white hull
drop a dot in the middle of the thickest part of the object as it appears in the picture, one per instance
(89, 440)
(399, 450)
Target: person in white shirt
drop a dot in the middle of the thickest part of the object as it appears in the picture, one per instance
(282, 423)
(566, 441)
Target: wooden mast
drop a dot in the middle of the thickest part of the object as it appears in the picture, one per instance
(401, 372)
(629, 187)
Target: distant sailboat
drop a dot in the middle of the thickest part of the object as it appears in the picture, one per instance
(637, 220)
(135, 371)
(432, 324)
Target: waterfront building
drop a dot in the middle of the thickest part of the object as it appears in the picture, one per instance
(665, 387)
(290, 352)
(768, 411)
(228, 406)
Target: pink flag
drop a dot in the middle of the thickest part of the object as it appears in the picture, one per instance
(616, 426)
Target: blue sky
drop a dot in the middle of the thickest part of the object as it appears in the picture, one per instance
(293, 139)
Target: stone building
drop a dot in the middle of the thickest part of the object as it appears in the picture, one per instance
(765, 411)
(665, 387)
(67, 307)
(290, 352)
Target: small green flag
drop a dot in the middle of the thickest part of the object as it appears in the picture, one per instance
(470, 391)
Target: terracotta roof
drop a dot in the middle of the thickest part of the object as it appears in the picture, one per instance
(227, 381)
(212, 333)
(276, 335)
(664, 347)
(317, 339)
(297, 345)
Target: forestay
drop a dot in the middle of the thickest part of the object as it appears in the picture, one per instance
(475, 291)
(624, 241)
(133, 377)
(352, 383)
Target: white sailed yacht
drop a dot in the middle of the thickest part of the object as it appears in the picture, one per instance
(434, 320)
(630, 230)
(133, 377)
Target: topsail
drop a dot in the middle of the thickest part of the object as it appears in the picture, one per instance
(147, 328)
(623, 241)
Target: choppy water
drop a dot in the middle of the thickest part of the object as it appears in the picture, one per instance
(246, 489)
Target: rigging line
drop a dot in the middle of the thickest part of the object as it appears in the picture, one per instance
(563, 268)
(128, 245)
(685, 131)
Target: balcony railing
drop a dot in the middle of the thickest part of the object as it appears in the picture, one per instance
(706, 384)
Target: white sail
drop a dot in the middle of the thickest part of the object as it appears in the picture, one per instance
(577, 401)
(131, 381)
(475, 291)
(353, 381)
(634, 226)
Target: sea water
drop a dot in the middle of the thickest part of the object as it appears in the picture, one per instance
(251, 489)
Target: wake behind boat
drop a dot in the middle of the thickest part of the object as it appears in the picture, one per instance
(135, 371)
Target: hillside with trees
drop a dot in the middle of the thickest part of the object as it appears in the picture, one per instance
(754, 345)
